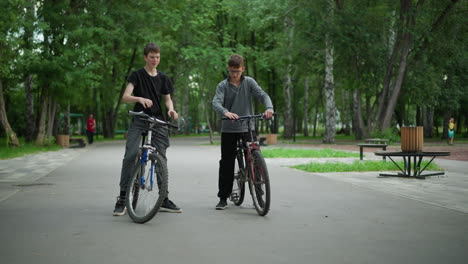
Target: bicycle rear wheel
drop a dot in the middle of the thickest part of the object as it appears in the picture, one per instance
(238, 187)
(147, 189)
(259, 183)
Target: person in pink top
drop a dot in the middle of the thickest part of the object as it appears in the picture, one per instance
(90, 128)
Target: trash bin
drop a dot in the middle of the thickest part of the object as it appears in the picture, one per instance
(412, 139)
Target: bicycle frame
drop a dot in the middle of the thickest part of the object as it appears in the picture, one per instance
(251, 169)
(147, 149)
(249, 146)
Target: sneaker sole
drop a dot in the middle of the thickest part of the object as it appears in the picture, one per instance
(221, 208)
(120, 214)
(169, 210)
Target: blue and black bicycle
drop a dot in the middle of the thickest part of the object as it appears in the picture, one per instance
(149, 183)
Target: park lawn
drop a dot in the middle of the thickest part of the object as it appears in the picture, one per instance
(306, 153)
(358, 166)
(24, 149)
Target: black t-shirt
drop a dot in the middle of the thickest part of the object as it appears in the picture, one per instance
(150, 87)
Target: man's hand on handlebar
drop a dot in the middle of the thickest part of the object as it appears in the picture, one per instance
(268, 114)
(230, 115)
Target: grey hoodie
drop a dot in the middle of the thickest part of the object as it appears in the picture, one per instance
(238, 100)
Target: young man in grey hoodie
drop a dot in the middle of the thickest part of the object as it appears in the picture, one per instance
(233, 98)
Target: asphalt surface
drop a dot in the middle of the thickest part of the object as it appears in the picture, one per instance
(57, 207)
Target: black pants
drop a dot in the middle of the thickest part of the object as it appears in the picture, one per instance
(227, 162)
(90, 136)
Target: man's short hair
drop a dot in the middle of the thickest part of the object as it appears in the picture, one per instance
(236, 61)
(151, 47)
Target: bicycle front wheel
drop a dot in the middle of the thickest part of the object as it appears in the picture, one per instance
(147, 189)
(259, 183)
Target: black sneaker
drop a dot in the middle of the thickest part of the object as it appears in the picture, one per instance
(120, 208)
(222, 204)
(170, 207)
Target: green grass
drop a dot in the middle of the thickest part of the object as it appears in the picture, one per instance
(358, 166)
(306, 153)
(320, 137)
(24, 149)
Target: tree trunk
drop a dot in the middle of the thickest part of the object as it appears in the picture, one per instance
(447, 116)
(288, 85)
(306, 106)
(388, 113)
(329, 86)
(205, 111)
(419, 119)
(29, 105)
(41, 131)
(358, 123)
(51, 119)
(346, 113)
(12, 139)
(317, 104)
(330, 122)
(393, 83)
(109, 111)
(124, 86)
(28, 78)
(428, 122)
(185, 106)
(359, 129)
(108, 125)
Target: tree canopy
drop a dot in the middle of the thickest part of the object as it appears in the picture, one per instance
(359, 66)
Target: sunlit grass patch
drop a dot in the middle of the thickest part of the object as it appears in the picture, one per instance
(358, 166)
(24, 149)
(306, 153)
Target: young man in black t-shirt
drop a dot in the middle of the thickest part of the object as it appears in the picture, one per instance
(148, 86)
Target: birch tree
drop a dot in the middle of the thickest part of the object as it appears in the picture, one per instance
(329, 85)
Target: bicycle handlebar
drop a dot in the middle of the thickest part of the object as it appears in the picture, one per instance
(248, 117)
(152, 119)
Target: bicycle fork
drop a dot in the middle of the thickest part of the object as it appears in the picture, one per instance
(144, 159)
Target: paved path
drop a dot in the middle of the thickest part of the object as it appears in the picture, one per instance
(28, 169)
(64, 216)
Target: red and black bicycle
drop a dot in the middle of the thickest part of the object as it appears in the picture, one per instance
(251, 167)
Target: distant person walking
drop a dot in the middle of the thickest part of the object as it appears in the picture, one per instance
(451, 130)
(90, 128)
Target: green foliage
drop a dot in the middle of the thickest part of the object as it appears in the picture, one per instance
(305, 153)
(359, 166)
(391, 134)
(24, 149)
(78, 53)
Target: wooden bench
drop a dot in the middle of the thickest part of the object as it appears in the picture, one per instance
(376, 141)
(369, 145)
(81, 142)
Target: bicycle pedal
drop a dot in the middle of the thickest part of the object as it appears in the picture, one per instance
(234, 196)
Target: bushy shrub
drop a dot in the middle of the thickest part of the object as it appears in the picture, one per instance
(392, 134)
